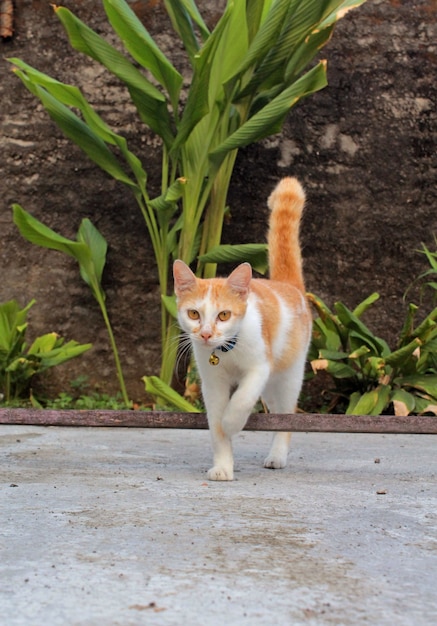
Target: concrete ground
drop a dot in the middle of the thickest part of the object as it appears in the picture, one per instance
(112, 526)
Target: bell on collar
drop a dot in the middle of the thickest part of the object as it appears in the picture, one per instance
(213, 359)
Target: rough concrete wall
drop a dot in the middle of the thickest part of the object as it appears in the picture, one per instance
(365, 149)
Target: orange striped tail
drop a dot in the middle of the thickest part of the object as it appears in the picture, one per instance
(286, 203)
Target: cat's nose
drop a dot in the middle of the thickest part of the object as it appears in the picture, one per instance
(206, 334)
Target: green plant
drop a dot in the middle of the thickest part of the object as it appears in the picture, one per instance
(18, 362)
(422, 279)
(89, 401)
(170, 398)
(89, 251)
(246, 74)
(367, 377)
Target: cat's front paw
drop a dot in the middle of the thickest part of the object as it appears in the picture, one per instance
(275, 461)
(220, 473)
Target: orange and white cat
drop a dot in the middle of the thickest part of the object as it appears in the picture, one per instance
(250, 336)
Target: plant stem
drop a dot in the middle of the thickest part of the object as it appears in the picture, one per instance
(213, 224)
(120, 377)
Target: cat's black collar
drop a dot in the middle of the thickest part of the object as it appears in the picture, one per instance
(229, 345)
(226, 347)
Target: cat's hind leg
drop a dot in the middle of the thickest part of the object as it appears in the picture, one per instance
(281, 395)
(277, 457)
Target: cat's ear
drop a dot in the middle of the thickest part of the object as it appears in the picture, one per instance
(184, 279)
(239, 279)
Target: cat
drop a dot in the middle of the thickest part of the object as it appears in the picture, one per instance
(250, 335)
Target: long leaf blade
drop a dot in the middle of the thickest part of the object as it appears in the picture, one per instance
(157, 387)
(142, 47)
(183, 13)
(269, 119)
(71, 96)
(151, 104)
(97, 245)
(79, 132)
(254, 253)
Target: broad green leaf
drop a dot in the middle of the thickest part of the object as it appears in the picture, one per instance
(200, 99)
(142, 46)
(339, 9)
(171, 195)
(269, 119)
(332, 355)
(232, 44)
(254, 253)
(156, 387)
(44, 343)
(340, 370)
(337, 369)
(97, 245)
(361, 351)
(80, 133)
(12, 324)
(404, 403)
(254, 15)
(170, 305)
(397, 358)
(62, 354)
(305, 52)
(425, 405)
(36, 232)
(353, 401)
(325, 335)
(321, 308)
(72, 97)
(422, 382)
(353, 323)
(297, 26)
(183, 25)
(267, 34)
(150, 102)
(182, 14)
(372, 402)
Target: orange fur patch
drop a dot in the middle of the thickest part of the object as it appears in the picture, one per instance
(268, 293)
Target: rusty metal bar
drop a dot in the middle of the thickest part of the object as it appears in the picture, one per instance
(300, 422)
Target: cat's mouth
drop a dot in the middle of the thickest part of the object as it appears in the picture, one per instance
(209, 343)
(223, 344)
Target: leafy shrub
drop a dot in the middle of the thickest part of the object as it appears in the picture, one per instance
(367, 377)
(246, 74)
(89, 250)
(19, 363)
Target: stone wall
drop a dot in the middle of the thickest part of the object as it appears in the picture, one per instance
(365, 149)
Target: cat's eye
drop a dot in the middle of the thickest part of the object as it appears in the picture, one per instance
(193, 314)
(224, 316)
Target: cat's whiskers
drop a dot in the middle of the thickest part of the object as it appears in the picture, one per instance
(184, 351)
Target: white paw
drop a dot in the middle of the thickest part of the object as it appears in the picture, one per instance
(220, 473)
(275, 462)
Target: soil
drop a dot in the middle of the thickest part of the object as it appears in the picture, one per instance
(364, 148)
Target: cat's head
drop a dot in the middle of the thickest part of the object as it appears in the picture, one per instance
(211, 310)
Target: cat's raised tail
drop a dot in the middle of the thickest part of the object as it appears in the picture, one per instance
(286, 203)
